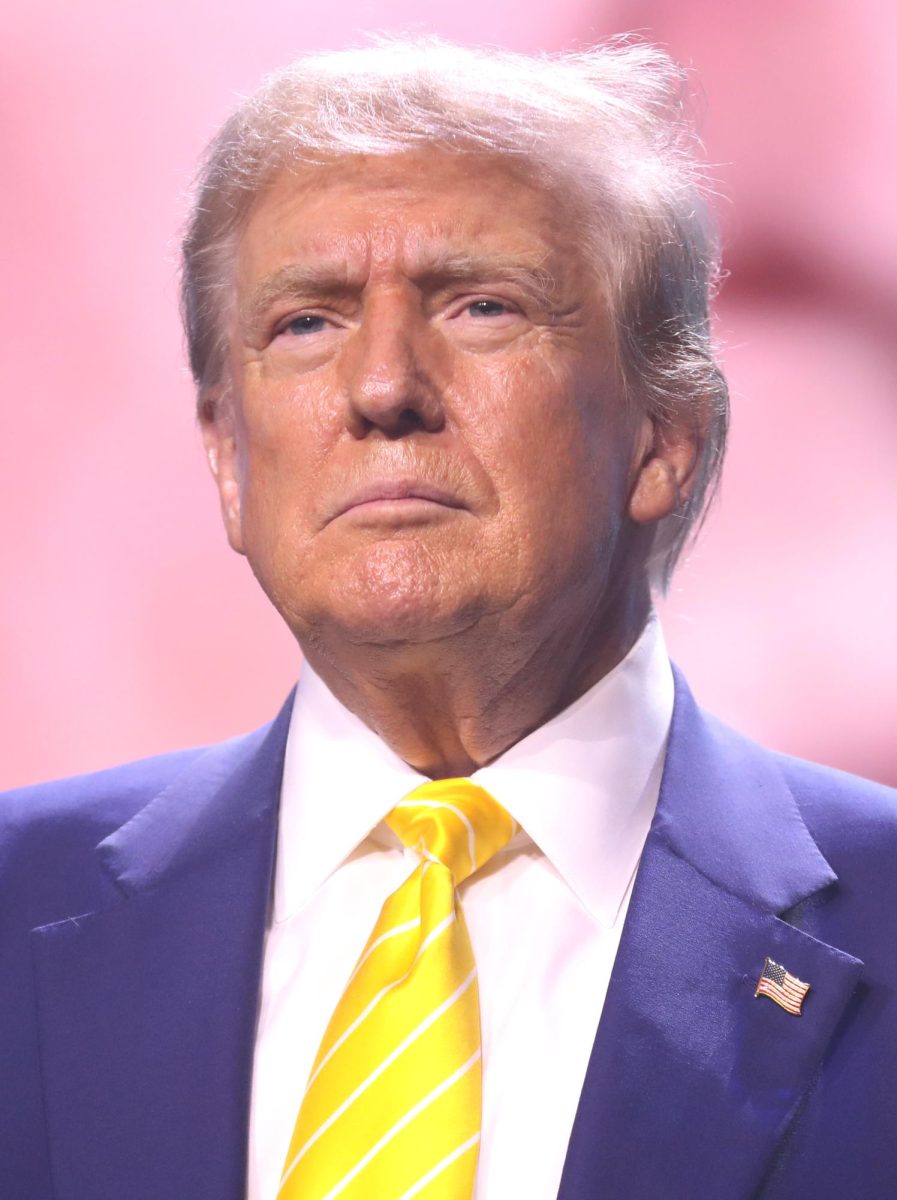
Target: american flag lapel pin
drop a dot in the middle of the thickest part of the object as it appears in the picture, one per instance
(781, 986)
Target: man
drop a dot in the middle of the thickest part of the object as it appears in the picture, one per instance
(447, 314)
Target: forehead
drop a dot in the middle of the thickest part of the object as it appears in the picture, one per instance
(408, 211)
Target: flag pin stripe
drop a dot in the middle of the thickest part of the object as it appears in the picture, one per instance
(781, 986)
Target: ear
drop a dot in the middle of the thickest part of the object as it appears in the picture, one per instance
(218, 435)
(664, 467)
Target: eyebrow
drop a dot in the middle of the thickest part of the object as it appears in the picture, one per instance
(533, 277)
(295, 280)
(333, 277)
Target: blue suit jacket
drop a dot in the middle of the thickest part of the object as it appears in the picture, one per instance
(132, 911)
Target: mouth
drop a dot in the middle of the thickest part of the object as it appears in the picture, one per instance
(397, 501)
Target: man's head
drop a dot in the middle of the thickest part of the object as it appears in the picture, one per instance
(478, 281)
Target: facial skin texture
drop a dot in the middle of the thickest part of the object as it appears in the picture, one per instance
(425, 452)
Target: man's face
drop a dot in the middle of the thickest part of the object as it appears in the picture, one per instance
(427, 429)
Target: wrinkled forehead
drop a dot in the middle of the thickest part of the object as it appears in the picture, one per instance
(421, 211)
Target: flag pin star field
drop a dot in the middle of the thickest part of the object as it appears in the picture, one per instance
(781, 986)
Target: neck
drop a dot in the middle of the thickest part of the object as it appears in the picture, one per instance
(448, 707)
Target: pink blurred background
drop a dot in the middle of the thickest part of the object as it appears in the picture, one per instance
(126, 625)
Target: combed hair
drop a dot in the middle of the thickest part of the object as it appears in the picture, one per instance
(606, 129)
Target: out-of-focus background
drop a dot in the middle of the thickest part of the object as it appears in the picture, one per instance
(126, 625)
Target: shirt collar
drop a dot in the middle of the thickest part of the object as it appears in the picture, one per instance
(583, 786)
(339, 781)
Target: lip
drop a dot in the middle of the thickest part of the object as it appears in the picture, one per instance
(395, 493)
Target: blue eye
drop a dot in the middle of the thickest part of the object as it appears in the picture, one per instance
(486, 308)
(307, 323)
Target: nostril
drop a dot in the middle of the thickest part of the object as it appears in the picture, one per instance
(406, 420)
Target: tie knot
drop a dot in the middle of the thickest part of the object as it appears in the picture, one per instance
(455, 822)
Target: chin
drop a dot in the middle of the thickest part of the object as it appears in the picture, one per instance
(397, 591)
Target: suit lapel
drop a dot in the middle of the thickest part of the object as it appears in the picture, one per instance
(147, 1010)
(692, 1079)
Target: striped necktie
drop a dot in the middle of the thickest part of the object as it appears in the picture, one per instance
(392, 1107)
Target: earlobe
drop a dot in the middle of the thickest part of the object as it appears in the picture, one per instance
(665, 472)
(656, 493)
(221, 455)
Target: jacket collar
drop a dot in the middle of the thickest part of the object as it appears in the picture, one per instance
(147, 1009)
(693, 1080)
(725, 808)
(226, 794)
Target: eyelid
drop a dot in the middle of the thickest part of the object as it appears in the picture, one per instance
(283, 324)
(460, 303)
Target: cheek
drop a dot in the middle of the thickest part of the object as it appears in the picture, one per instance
(283, 444)
(279, 455)
(555, 447)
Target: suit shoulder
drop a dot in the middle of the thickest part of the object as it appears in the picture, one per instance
(62, 818)
(109, 795)
(825, 793)
(852, 819)
(839, 792)
(49, 832)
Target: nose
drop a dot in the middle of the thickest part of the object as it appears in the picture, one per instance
(388, 371)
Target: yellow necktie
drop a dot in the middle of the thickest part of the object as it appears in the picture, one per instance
(392, 1106)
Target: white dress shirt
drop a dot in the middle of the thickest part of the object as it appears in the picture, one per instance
(544, 916)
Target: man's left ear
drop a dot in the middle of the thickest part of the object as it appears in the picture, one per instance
(664, 467)
(217, 424)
